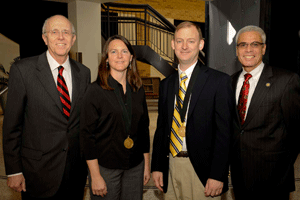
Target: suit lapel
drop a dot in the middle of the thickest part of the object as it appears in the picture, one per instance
(260, 92)
(46, 78)
(75, 83)
(172, 87)
(235, 79)
(198, 86)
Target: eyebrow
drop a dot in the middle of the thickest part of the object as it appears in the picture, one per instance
(249, 43)
(117, 49)
(187, 39)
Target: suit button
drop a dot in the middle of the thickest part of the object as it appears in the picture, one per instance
(64, 149)
(242, 132)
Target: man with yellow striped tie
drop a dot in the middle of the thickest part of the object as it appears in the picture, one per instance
(191, 142)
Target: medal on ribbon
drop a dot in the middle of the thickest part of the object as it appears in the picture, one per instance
(128, 143)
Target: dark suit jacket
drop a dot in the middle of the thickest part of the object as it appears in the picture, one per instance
(208, 128)
(266, 146)
(36, 136)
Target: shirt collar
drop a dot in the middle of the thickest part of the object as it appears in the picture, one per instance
(189, 71)
(255, 72)
(111, 79)
(54, 64)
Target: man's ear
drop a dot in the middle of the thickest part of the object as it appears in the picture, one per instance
(201, 45)
(264, 49)
(45, 39)
(73, 39)
(173, 44)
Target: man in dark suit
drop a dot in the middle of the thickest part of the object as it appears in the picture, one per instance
(266, 133)
(41, 122)
(191, 142)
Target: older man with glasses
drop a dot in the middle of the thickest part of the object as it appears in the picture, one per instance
(41, 121)
(266, 134)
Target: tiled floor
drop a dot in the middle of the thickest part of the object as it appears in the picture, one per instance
(150, 193)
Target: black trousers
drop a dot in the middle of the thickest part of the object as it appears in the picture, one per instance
(249, 195)
(72, 185)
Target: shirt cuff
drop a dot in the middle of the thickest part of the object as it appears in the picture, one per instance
(14, 174)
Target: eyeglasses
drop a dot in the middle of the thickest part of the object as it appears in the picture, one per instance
(244, 45)
(56, 33)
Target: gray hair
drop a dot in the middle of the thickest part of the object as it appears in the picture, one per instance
(46, 22)
(252, 28)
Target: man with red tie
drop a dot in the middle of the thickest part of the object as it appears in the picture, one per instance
(266, 134)
(41, 121)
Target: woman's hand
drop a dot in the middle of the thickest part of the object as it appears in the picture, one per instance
(147, 173)
(99, 186)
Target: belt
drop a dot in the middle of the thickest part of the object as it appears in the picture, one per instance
(183, 154)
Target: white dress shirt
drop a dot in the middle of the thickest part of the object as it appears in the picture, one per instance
(252, 82)
(67, 74)
(188, 72)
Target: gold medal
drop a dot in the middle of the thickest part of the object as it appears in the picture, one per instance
(128, 143)
(181, 131)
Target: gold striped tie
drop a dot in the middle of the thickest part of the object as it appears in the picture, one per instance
(175, 139)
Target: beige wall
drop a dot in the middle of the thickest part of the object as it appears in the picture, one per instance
(193, 10)
(86, 18)
(8, 51)
(189, 10)
(89, 35)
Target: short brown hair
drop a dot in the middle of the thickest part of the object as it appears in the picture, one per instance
(187, 24)
(133, 76)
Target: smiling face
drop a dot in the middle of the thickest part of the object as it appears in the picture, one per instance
(250, 57)
(187, 45)
(119, 56)
(59, 37)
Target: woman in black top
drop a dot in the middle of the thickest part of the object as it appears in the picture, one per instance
(115, 126)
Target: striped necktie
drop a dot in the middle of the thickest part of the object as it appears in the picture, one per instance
(176, 140)
(63, 93)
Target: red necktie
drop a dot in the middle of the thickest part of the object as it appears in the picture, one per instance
(63, 93)
(243, 98)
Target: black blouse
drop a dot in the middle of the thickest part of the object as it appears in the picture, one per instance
(103, 128)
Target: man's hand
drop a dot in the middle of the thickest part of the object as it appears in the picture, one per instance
(17, 183)
(158, 180)
(213, 188)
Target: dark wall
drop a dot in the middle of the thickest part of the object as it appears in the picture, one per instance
(283, 25)
(279, 19)
(22, 22)
(221, 54)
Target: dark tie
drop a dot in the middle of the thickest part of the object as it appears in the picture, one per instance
(243, 98)
(63, 93)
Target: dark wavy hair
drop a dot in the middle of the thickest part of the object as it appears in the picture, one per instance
(133, 76)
